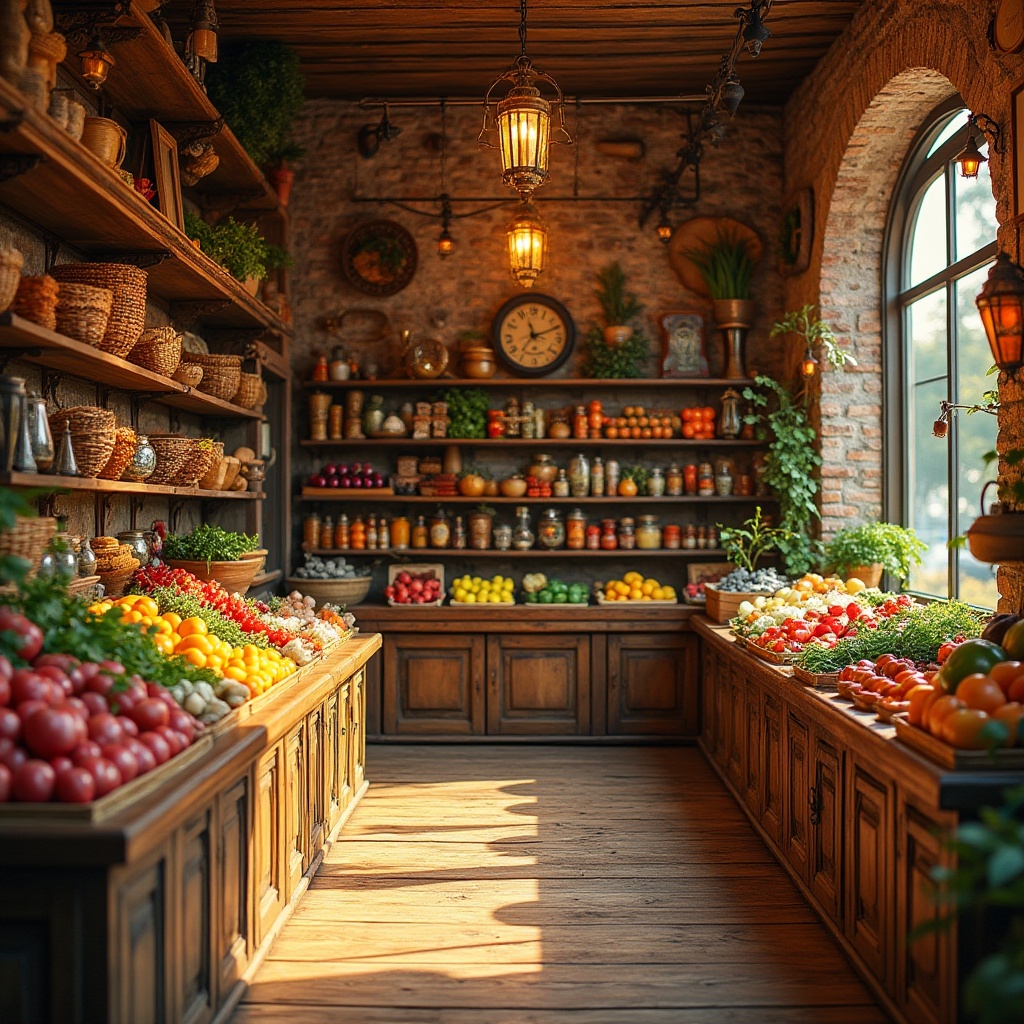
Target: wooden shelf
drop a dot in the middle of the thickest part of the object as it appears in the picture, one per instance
(519, 442)
(264, 579)
(469, 554)
(522, 382)
(371, 496)
(71, 194)
(47, 348)
(46, 482)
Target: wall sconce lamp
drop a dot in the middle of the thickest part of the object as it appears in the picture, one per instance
(527, 245)
(522, 121)
(96, 60)
(204, 28)
(808, 365)
(1001, 305)
(970, 158)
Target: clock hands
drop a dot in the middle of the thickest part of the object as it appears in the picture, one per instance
(547, 331)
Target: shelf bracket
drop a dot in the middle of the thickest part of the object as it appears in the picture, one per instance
(186, 313)
(78, 24)
(14, 165)
(104, 510)
(186, 132)
(177, 506)
(50, 381)
(140, 258)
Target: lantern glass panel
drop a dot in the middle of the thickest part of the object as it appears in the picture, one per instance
(524, 139)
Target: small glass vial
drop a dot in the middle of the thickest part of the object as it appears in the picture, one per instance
(341, 533)
(561, 487)
(656, 484)
(609, 539)
(327, 533)
(705, 480)
(576, 530)
(627, 533)
(383, 535)
(522, 535)
(311, 531)
(420, 533)
(528, 427)
(593, 537)
(611, 478)
(371, 534)
(597, 477)
(459, 534)
(674, 482)
(580, 423)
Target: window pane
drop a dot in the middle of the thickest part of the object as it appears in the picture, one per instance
(927, 332)
(949, 131)
(928, 245)
(975, 211)
(928, 488)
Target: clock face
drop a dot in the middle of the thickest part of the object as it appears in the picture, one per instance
(533, 334)
(1008, 26)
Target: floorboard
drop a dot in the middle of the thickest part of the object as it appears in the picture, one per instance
(513, 885)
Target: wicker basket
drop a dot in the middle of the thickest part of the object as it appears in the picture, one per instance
(92, 436)
(125, 443)
(36, 300)
(201, 458)
(346, 592)
(128, 308)
(83, 312)
(171, 452)
(221, 374)
(11, 262)
(250, 388)
(159, 350)
(115, 580)
(189, 374)
(214, 478)
(29, 538)
(234, 577)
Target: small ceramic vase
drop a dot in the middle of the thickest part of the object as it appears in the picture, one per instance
(143, 462)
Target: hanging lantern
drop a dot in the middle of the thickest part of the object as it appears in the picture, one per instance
(664, 230)
(970, 158)
(96, 61)
(445, 243)
(1001, 305)
(204, 24)
(522, 121)
(527, 246)
(808, 365)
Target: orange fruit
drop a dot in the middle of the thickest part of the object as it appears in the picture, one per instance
(688, 430)
(194, 657)
(627, 488)
(962, 729)
(1010, 715)
(921, 699)
(940, 709)
(981, 692)
(1005, 673)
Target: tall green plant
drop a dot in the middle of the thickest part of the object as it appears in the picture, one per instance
(789, 470)
(817, 335)
(619, 306)
(239, 248)
(725, 264)
(896, 548)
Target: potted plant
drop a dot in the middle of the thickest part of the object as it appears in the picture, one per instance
(817, 336)
(726, 266)
(868, 550)
(620, 307)
(210, 553)
(279, 174)
(238, 247)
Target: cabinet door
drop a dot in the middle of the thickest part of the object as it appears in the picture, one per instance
(752, 766)
(538, 685)
(333, 752)
(357, 731)
(826, 833)
(926, 980)
(268, 844)
(316, 823)
(737, 746)
(345, 756)
(140, 957)
(868, 869)
(196, 998)
(771, 753)
(433, 684)
(796, 810)
(708, 688)
(234, 869)
(652, 685)
(295, 809)
(723, 713)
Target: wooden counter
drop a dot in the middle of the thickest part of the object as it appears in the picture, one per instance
(159, 912)
(858, 819)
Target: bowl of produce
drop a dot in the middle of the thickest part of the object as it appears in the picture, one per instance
(331, 581)
(724, 598)
(210, 553)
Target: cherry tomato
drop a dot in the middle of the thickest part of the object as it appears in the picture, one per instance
(181, 721)
(85, 750)
(75, 785)
(34, 782)
(59, 763)
(96, 704)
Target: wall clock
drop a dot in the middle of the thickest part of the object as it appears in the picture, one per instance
(533, 334)
(1008, 26)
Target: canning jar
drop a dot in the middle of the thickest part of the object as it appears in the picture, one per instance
(327, 533)
(420, 533)
(597, 477)
(705, 480)
(671, 536)
(400, 532)
(311, 531)
(580, 423)
(674, 481)
(561, 487)
(609, 540)
(522, 535)
(576, 529)
(503, 537)
(656, 484)
(648, 533)
(611, 478)
(690, 478)
(440, 530)
(627, 533)
(551, 529)
(593, 537)
(579, 476)
(341, 533)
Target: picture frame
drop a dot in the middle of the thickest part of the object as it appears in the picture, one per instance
(167, 174)
(796, 233)
(684, 344)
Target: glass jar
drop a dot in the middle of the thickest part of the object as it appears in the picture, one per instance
(671, 537)
(320, 369)
(440, 530)
(712, 537)
(480, 525)
(702, 537)
(690, 537)
(551, 529)
(595, 415)
(503, 537)
(522, 535)
(136, 540)
(627, 533)
(513, 421)
(39, 432)
(611, 478)
(656, 484)
(372, 534)
(579, 475)
(542, 468)
(326, 533)
(528, 425)
(420, 533)
(723, 482)
(674, 481)
(143, 462)
(341, 540)
(648, 533)
(373, 415)
(561, 488)
(311, 531)
(730, 423)
(690, 478)
(334, 422)
(705, 480)
(580, 423)
(576, 530)
(597, 477)
(400, 533)
(459, 534)
(86, 559)
(593, 537)
(609, 539)
(538, 423)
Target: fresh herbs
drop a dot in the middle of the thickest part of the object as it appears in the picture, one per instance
(917, 635)
(896, 548)
(747, 544)
(725, 264)
(239, 248)
(467, 411)
(607, 362)
(208, 544)
(619, 306)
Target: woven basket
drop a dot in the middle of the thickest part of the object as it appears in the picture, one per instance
(116, 580)
(249, 390)
(214, 478)
(36, 300)
(189, 374)
(92, 436)
(159, 350)
(83, 312)
(221, 374)
(128, 308)
(201, 459)
(11, 262)
(29, 538)
(171, 452)
(125, 443)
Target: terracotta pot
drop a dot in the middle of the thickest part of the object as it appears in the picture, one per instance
(252, 285)
(106, 138)
(997, 539)
(282, 179)
(615, 335)
(869, 575)
(479, 362)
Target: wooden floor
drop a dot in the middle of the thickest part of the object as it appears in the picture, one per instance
(509, 885)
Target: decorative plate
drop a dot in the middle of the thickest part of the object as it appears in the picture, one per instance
(379, 257)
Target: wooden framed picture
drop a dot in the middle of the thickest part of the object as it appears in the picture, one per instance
(684, 353)
(796, 233)
(167, 175)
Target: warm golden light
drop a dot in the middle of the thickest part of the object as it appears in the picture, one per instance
(808, 365)
(527, 246)
(664, 231)
(445, 244)
(96, 62)
(1001, 305)
(203, 41)
(970, 159)
(524, 132)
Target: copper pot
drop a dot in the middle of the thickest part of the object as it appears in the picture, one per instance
(734, 312)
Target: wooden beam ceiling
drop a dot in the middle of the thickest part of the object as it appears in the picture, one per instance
(593, 48)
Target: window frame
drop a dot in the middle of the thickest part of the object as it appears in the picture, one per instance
(917, 173)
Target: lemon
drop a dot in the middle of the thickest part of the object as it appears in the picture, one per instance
(653, 582)
(658, 593)
(470, 598)
(495, 597)
(647, 588)
(509, 585)
(497, 580)
(635, 594)
(460, 593)
(507, 598)
(476, 581)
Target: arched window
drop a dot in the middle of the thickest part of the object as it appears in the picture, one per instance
(941, 243)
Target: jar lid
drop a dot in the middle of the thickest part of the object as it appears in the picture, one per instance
(626, 521)
(647, 520)
(551, 513)
(577, 513)
(655, 471)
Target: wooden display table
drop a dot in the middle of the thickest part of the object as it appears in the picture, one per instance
(161, 911)
(857, 818)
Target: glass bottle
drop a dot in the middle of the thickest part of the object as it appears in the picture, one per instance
(611, 478)
(627, 533)
(671, 536)
(656, 484)
(593, 537)
(503, 537)
(420, 533)
(143, 463)
(579, 475)
(730, 423)
(320, 369)
(528, 426)
(551, 529)
(576, 530)
(712, 537)
(513, 421)
(327, 533)
(723, 480)
(311, 530)
(341, 533)
(39, 432)
(400, 531)
(357, 534)
(538, 423)
(609, 539)
(522, 535)
(597, 477)
(674, 481)
(440, 530)
(371, 534)
(561, 487)
(690, 537)
(373, 414)
(580, 423)
(86, 559)
(459, 534)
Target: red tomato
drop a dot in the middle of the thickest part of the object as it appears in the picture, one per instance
(27, 684)
(94, 702)
(85, 750)
(60, 762)
(5, 783)
(157, 744)
(120, 755)
(10, 724)
(14, 756)
(30, 707)
(104, 729)
(105, 772)
(6, 669)
(34, 782)
(100, 683)
(150, 714)
(143, 755)
(129, 727)
(5, 690)
(175, 740)
(63, 661)
(51, 732)
(58, 676)
(28, 637)
(181, 721)
(75, 785)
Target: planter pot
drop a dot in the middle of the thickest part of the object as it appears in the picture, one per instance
(615, 335)
(997, 539)
(234, 577)
(870, 575)
(282, 179)
(734, 318)
(252, 285)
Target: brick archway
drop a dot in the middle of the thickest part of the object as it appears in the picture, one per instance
(851, 296)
